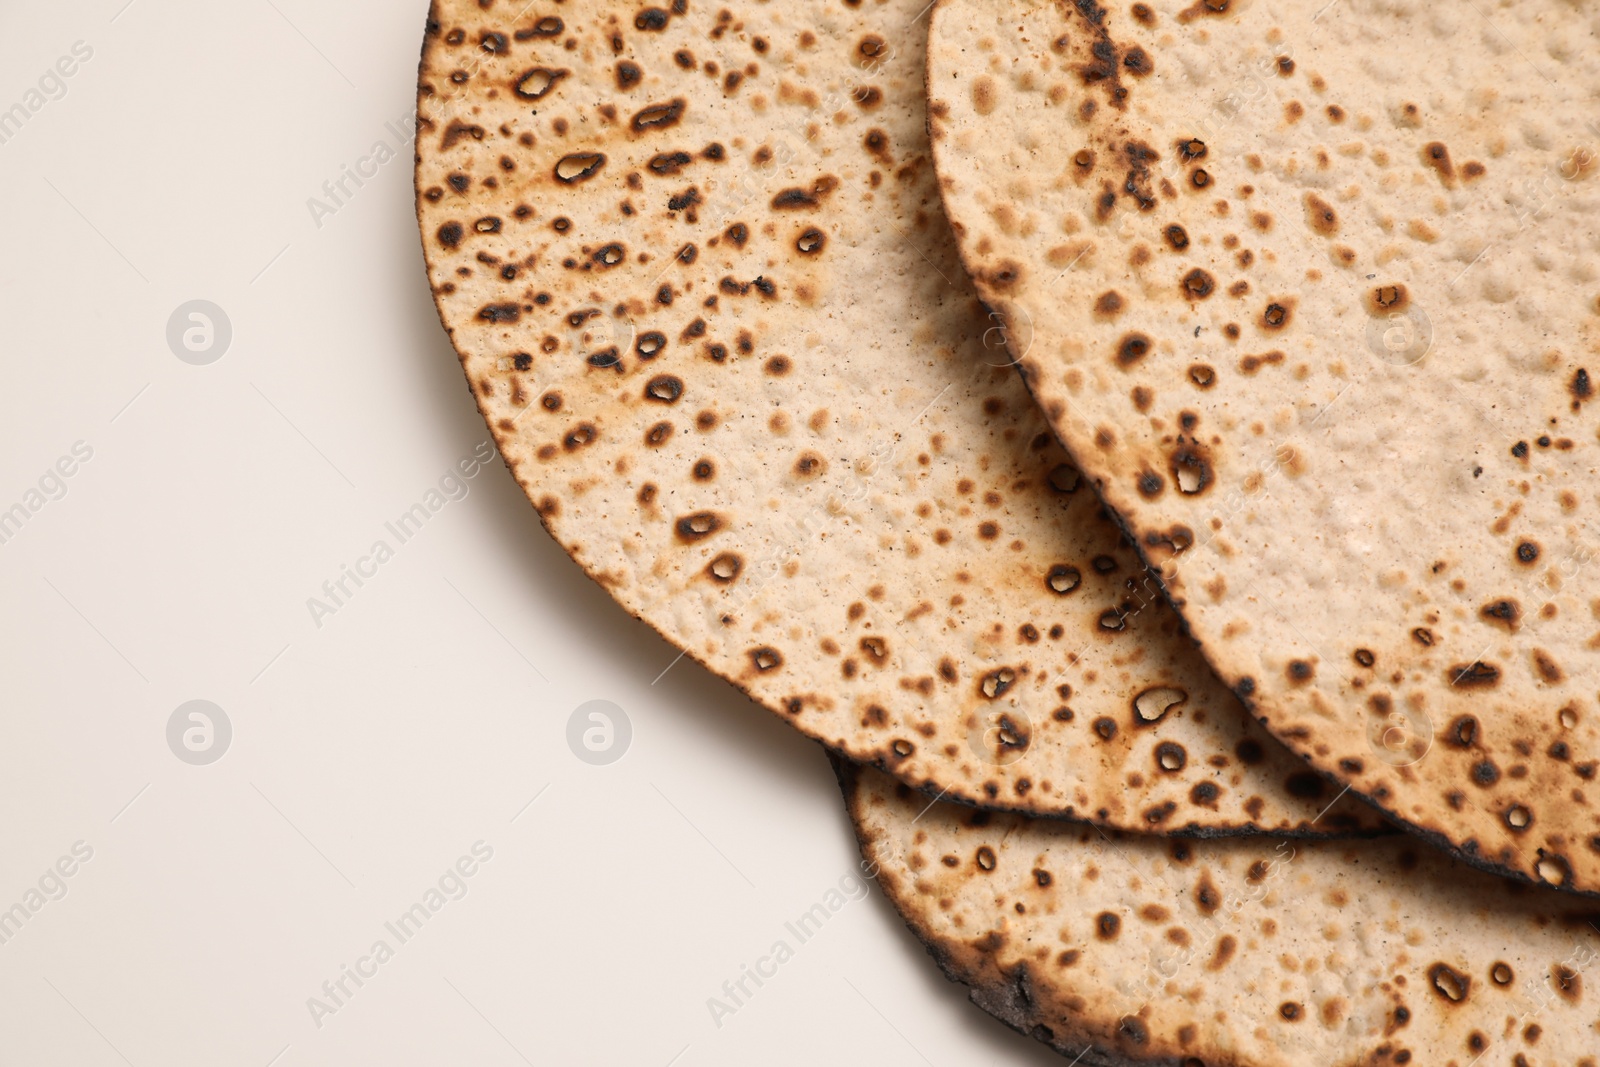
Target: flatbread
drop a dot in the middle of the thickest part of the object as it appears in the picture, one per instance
(1131, 949)
(1310, 292)
(693, 261)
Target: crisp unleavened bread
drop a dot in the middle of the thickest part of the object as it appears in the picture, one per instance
(1309, 291)
(694, 264)
(1124, 949)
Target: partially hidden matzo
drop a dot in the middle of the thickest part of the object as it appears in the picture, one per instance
(693, 260)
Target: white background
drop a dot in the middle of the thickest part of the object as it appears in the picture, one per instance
(372, 752)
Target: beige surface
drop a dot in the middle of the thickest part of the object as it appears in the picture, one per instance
(1233, 951)
(1392, 543)
(717, 326)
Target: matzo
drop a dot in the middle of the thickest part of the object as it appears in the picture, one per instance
(695, 267)
(1121, 949)
(1309, 290)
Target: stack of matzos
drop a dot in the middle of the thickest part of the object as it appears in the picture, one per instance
(1188, 442)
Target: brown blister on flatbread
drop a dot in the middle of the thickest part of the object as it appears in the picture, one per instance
(699, 280)
(1122, 950)
(1353, 352)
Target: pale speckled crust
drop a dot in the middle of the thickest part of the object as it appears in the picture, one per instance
(1229, 239)
(729, 353)
(1235, 952)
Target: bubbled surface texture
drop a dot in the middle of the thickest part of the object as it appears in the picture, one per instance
(1310, 293)
(696, 269)
(1129, 949)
